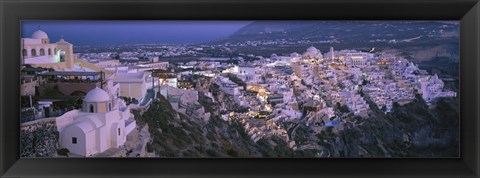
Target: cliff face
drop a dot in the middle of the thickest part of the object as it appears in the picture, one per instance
(412, 130)
(176, 135)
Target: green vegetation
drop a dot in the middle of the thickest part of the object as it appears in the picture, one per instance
(431, 132)
(301, 134)
(280, 149)
(176, 135)
(150, 147)
(63, 152)
(206, 102)
(342, 108)
(212, 153)
(214, 89)
(25, 101)
(365, 82)
(236, 80)
(129, 100)
(378, 135)
(384, 108)
(52, 93)
(232, 152)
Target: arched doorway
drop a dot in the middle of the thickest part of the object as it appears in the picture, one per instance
(92, 109)
(62, 56)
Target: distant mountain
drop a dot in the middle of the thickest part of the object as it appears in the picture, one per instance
(268, 27)
(345, 31)
(421, 40)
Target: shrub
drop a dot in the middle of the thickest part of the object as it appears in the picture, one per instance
(212, 153)
(150, 147)
(232, 152)
(63, 152)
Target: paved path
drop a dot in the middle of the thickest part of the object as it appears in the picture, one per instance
(139, 149)
(112, 152)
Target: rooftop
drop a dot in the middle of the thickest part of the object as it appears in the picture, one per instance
(131, 75)
(70, 73)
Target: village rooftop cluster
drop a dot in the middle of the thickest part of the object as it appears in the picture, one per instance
(325, 89)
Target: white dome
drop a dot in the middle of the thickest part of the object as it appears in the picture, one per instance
(312, 52)
(312, 49)
(96, 95)
(39, 34)
(294, 55)
(62, 41)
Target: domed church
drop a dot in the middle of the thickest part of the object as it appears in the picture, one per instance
(38, 51)
(102, 123)
(312, 52)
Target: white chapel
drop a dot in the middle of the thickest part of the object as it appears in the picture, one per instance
(102, 123)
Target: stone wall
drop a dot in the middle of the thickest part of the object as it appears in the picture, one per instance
(39, 138)
(68, 88)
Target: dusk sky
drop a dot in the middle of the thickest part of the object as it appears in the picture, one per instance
(133, 32)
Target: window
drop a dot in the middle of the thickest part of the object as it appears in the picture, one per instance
(24, 52)
(74, 140)
(109, 106)
(91, 108)
(49, 51)
(34, 52)
(42, 52)
(118, 131)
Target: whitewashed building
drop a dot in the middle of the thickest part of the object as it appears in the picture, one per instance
(132, 85)
(357, 59)
(432, 88)
(103, 122)
(38, 51)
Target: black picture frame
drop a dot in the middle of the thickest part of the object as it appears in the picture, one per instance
(12, 12)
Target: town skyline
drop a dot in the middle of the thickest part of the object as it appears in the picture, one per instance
(374, 89)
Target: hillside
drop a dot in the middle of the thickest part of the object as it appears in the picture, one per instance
(412, 130)
(175, 135)
(418, 40)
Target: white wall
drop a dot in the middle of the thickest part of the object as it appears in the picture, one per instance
(80, 147)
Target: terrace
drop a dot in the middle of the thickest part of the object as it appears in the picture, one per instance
(71, 76)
